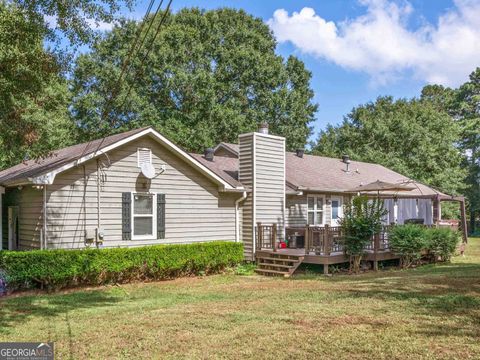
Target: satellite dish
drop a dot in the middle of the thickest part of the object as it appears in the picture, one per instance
(148, 170)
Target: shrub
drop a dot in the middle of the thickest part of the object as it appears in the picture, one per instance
(54, 269)
(362, 219)
(442, 242)
(408, 241)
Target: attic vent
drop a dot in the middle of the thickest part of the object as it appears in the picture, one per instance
(144, 156)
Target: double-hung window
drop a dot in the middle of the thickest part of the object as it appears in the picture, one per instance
(144, 216)
(316, 207)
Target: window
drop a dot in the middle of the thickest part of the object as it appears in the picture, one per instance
(144, 216)
(315, 210)
(337, 210)
(144, 156)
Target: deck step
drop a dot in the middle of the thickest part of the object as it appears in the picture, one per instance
(272, 272)
(262, 264)
(271, 258)
(275, 264)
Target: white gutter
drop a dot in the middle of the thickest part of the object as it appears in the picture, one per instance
(237, 216)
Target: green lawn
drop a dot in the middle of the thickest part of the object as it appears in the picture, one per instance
(430, 312)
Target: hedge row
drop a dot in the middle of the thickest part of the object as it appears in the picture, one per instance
(412, 242)
(54, 269)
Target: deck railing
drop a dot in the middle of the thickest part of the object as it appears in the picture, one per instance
(320, 240)
(266, 236)
(326, 240)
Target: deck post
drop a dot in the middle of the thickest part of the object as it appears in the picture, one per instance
(325, 269)
(307, 240)
(274, 237)
(376, 246)
(259, 235)
(326, 241)
(463, 217)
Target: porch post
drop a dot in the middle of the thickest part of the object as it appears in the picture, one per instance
(463, 218)
(259, 235)
(326, 241)
(376, 246)
(307, 240)
(274, 237)
(436, 210)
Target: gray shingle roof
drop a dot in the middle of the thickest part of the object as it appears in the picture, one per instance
(319, 173)
(225, 167)
(328, 174)
(310, 173)
(58, 158)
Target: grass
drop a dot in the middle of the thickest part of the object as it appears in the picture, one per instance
(432, 312)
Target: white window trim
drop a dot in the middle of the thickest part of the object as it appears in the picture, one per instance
(340, 208)
(315, 210)
(154, 216)
(138, 155)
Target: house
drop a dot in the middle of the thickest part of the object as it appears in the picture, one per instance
(138, 188)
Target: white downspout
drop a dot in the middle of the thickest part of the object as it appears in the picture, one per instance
(2, 191)
(237, 215)
(45, 216)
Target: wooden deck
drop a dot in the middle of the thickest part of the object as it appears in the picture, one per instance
(322, 245)
(333, 258)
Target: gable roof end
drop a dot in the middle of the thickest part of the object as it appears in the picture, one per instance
(44, 171)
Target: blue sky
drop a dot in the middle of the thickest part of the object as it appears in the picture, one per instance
(358, 50)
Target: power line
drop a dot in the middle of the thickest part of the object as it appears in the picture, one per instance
(126, 63)
(165, 14)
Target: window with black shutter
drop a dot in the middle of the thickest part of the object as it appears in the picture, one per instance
(143, 216)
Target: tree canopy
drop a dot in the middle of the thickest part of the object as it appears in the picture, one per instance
(210, 76)
(463, 105)
(34, 94)
(75, 20)
(34, 97)
(410, 136)
(466, 109)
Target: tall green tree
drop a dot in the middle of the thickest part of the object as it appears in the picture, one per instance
(75, 20)
(33, 96)
(210, 76)
(466, 110)
(410, 136)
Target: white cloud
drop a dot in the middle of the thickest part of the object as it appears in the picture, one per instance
(92, 23)
(381, 44)
(100, 25)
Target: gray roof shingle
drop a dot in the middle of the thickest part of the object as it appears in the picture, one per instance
(58, 158)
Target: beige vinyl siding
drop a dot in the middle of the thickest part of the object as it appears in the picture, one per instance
(296, 211)
(195, 209)
(270, 181)
(245, 176)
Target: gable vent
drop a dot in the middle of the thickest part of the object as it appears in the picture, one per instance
(144, 156)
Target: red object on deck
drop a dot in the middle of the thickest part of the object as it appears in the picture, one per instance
(282, 245)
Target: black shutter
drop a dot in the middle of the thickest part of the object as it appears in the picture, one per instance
(126, 216)
(160, 216)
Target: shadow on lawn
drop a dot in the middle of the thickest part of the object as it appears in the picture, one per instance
(20, 309)
(442, 291)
